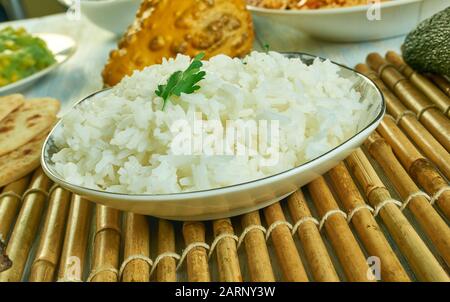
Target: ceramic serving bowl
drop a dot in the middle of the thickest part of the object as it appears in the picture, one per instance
(348, 24)
(111, 15)
(237, 199)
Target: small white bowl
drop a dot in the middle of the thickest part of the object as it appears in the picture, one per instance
(348, 24)
(237, 199)
(112, 15)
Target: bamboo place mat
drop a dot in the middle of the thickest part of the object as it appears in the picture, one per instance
(381, 214)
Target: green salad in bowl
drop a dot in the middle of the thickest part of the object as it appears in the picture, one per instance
(21, 55)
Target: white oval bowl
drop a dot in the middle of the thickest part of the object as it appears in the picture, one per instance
(112, 15)
(237, 199)
(348, 24)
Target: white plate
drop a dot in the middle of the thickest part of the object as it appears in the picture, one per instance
(237, 199)
(62, 47)
(349, 24)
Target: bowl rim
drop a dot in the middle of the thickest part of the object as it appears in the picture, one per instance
(328, 11)
(214, 191)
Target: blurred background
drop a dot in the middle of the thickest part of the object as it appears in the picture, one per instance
(21, 9)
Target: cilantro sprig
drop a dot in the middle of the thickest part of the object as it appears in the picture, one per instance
(183, 81)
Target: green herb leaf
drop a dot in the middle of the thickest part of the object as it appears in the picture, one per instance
(266, 48)
(183, 81)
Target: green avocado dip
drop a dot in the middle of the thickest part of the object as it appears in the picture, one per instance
(21, 55)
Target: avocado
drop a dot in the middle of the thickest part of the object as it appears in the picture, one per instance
(427, 47)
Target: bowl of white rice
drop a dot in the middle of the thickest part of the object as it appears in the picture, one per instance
(255, 130)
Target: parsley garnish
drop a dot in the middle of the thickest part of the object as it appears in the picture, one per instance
(183, 81)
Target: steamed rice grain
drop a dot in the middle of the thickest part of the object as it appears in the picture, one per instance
(121, 141)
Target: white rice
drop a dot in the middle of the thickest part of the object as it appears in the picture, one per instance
(120, 142)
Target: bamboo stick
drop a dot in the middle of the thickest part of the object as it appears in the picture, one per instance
(49, 250)
(73, 255)
(418, 167)
(433, 225)
(433, 119)
(419, 257)
(441, 82)
(226, 252)
(366, 226)
(26, 227)
(284, 245)
(10, 205)
(412, 127)
(197, 258)
(315, 250)
(436, 95)
(137, 243)
(166, 270)
(258, 260)
(106, 245)
(347, 249)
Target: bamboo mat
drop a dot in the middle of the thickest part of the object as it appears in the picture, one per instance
(382, 214)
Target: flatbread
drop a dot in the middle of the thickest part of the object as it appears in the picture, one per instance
(10, 103)
(20, 162)
(27, 122)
